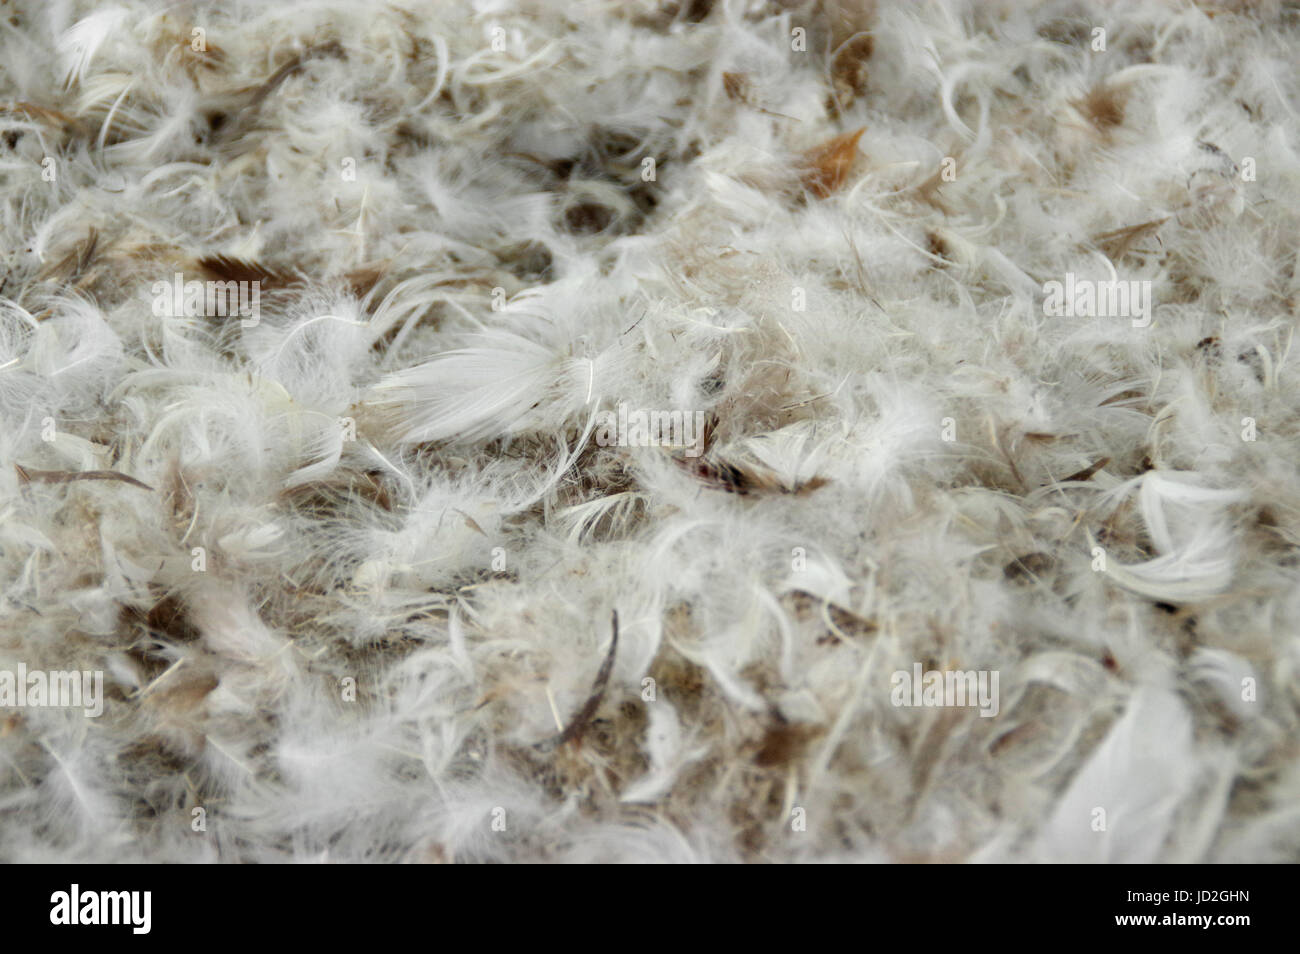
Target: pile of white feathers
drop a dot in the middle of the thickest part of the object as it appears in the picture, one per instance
(351, 568)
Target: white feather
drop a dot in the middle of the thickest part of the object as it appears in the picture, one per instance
(1120, 805)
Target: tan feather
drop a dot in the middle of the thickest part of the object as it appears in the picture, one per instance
(827, 166)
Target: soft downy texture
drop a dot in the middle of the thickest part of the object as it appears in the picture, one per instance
(366, 567)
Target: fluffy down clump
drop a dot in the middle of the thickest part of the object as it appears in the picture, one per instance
(348, 550)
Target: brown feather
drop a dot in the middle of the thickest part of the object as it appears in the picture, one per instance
(578, 724)
(51, 117)
(1087, 472)
(827, 166)
(228, 268)
(1117, 243)
(745, 480)
(27, 475)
